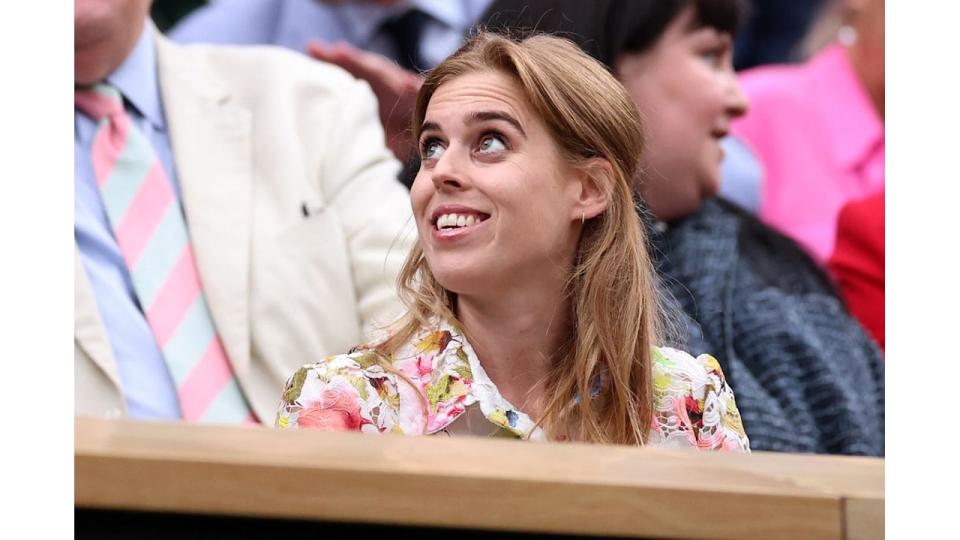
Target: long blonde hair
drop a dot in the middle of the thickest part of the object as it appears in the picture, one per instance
(615, 318)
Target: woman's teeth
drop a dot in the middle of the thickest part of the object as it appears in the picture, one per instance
(451, 221)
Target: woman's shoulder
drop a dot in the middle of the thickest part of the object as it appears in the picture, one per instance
(419, 387)
(692, 403)
(346, 392)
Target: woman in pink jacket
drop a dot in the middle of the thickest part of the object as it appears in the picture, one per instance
(817, 131)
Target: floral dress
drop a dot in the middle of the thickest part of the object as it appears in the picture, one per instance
(692, 406)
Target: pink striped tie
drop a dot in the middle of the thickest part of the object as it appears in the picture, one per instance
(149, 227)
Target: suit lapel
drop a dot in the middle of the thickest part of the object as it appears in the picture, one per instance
(88, 330)
(210, 137)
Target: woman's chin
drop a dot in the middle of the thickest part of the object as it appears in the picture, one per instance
(710, 184)
(457, 285)
(462, 281)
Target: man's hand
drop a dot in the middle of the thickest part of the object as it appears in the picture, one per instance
(396, 89)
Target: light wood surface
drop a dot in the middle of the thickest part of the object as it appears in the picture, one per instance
(474, 483)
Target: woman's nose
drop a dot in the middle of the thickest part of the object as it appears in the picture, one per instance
(737, 103)
(447, 172)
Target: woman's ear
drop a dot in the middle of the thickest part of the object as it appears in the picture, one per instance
(594, 178)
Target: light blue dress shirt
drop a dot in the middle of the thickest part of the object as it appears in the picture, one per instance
(148, 387)
(741, 175)
(292, 23)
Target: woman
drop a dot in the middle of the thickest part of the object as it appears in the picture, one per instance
(532, 310)
(808, 378)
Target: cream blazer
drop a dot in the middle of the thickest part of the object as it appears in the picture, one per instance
(297, 221)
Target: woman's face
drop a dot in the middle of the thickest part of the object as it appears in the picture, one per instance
(494, 200)
(686, 91)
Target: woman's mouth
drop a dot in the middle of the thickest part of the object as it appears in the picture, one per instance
(453, 224)
(459, 220)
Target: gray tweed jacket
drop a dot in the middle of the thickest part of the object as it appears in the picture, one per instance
(806, 376)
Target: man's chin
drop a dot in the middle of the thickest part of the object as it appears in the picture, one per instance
(90, 30)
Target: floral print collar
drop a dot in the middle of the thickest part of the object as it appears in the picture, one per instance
(446, 368)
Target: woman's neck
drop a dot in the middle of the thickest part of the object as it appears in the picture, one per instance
(868, 67)
(516, 334)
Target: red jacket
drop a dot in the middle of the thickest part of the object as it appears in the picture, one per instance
(858, 261)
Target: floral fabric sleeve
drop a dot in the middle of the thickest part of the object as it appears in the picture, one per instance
(349, 392)
(722, 427)
(694, 405)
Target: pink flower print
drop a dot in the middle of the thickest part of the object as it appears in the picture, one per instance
(710, 441)
(730, 443)
(411, 414)
(407, 366)
(337, 410)
(446, 412)
(686, 425)
(417, 368)
(655, 422)
(680, 408)
(425, 365)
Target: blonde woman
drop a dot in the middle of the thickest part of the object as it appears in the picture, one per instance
(532, 311)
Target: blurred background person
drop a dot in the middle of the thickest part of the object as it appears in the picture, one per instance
(758, 300)
(816, 129)
(211, 254)
(857, 263)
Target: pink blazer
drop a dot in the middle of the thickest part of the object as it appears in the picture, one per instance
(819, 141)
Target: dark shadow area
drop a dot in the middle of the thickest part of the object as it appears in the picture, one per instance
(117, 525)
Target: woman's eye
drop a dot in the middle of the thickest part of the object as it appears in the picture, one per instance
(432, 150)
(717, 54)
(713, 57)
(491, 144)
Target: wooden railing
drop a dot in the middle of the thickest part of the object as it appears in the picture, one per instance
(471, 483)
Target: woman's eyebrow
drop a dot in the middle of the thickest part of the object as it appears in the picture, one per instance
(429, 126)
(485, 116)
(478, 117)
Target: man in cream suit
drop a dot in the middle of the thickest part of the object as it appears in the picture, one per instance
(288, 197)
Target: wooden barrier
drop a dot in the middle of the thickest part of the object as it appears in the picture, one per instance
(473, 484)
